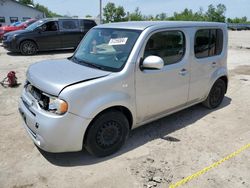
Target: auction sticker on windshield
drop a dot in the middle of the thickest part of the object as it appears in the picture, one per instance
(118, 41)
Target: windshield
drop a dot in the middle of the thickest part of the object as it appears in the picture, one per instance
(35, 25)
(106, 49)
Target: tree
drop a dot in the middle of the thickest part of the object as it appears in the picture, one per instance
(26, 2)
(112, 13)
(47, 12)
(237, 20)
(119, 14)
(136, 15)
(161, 16)
(216, 14)
(88, 16)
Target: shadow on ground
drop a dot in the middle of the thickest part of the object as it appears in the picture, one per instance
(44, 52)
(140, 136)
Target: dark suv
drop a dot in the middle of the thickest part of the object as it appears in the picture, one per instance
(48, 34)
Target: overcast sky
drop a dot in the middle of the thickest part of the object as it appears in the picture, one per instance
(235, 8)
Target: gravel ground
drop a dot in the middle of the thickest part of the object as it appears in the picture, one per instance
(156, 155)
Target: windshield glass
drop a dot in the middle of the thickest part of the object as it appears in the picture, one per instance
(106, 49)
(35, 25)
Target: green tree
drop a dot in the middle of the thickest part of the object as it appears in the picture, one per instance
(88, 16)
(112, 13)
(136, 15)
(47, 12)
(26, 2)
(161, 16)
(216, 14)
(237, 20)
(119, 14)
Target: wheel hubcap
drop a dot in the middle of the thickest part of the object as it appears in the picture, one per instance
(108, 134)
(29, 48)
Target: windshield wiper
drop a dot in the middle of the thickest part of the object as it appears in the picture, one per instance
(76, 60)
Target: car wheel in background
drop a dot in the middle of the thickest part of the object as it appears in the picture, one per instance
(28, 47)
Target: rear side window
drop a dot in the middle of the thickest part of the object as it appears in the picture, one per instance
(208, 42)
(169, 45)
(69, 25)
(87, 24)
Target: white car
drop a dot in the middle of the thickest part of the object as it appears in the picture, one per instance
(122, 76)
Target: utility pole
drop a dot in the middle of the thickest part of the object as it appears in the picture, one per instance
(100, 11)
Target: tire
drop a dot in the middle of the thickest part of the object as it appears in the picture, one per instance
(28, 47)
(107, 133)
(216, 95)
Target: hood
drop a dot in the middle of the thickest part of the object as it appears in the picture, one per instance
(16, 32)
(52, 76)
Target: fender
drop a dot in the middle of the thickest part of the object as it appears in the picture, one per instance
(222, 71)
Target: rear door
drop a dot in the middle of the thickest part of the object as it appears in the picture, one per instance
(70, 33)
(48, 38)
(208, 44)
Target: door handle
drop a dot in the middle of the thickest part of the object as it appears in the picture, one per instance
(183, 72)
(214, 64)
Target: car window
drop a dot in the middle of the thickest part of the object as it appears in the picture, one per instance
(106, 48)
(50, 26)
(69, 25)
(87, 24)
(169, 45)
(208, 42)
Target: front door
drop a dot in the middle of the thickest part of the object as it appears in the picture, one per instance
(161, 91)
(48, 38)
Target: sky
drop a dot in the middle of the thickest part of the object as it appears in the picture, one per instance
(81, 8)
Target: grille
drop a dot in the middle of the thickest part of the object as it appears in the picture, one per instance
(42, 99)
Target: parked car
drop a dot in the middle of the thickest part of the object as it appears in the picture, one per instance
(121, 76)
(48, 34)
(16, 26)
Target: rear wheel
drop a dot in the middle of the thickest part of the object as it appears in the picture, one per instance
(216, 95)
(107, 133)
(28, 47)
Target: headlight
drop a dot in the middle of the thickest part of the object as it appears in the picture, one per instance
(57, 106)
(11, 37)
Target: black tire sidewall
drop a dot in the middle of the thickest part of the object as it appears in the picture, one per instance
(90, 142)
(219, 83)
(27, 41)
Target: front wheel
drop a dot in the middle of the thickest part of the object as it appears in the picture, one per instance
(216, 95)
(28, 48)
(107, 133)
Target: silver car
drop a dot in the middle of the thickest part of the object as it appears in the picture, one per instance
(121, 76)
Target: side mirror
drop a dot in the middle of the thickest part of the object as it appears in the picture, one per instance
(152, 62)
(39, 29)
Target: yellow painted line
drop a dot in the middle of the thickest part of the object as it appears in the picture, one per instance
(206, 169)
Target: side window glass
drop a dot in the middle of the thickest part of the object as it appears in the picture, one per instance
(219, 42)
(88, 24)
(71, 25)
(169, 45)
(50, 26)
(201, 46)
(208, 42)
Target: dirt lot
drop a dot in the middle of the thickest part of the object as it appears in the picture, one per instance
(167, 150)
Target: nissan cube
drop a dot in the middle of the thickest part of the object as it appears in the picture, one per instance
(121, 76)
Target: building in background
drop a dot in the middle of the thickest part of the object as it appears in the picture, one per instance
(13, 11)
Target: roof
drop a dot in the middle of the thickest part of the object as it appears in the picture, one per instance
(26, 5)
(64, 18)
(141, 25)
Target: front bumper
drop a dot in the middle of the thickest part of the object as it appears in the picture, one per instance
(10, 45)
(52, 133)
